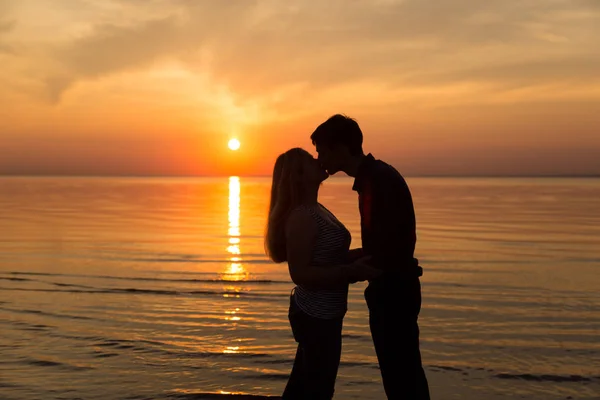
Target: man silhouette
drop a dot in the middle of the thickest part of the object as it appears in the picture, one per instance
(388, 230)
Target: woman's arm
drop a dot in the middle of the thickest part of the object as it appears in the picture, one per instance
(301, 232)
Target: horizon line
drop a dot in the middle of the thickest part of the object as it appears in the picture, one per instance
(269, 175)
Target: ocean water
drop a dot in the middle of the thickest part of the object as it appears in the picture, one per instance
(137, 288)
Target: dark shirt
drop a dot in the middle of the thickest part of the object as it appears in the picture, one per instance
(387, 218)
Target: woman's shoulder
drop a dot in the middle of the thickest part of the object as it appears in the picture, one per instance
(301, 217)
(302, 211)
(305, 209)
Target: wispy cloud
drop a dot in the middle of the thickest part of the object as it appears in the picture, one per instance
(110, 49)
(261, 46)
(5, 27)
(259, 49)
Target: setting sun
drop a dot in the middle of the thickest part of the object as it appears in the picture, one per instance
(234, 144)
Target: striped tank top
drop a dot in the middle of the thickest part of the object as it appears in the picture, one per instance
(331, 248)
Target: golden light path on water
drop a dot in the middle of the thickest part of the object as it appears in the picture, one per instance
(235, 271)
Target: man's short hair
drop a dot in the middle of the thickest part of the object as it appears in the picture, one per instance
(339, 130)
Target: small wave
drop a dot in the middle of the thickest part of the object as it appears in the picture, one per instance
(194, 260)
(359, 383)
(446, 368)
(31, 327)
(102, 343)
(48, 314)
(193, 292)
(33, 273)
(197, 280)
(142, 291)
(71, 285)
(358, 364)
(43, 363)
(140, 278)
(545, 378)
(153, 291)
(108, 345)
(47, 290)
(351, 336)
(208, 354)
(363, 338)
(449, 261)
(56, 364)
(113, 343)
(268, 377)
(277, 361)
(74, 337)
(123, 345)
(4, 278)
(105, 355)
(220, 396)
(343, 363)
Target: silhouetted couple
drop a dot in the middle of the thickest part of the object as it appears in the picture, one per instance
(316, 246)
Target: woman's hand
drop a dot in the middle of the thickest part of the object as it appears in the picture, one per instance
(361, 270)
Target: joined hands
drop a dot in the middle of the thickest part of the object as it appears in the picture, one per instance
(361, 270)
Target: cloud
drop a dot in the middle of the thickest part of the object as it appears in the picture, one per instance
(326, 44)
(577, 69)
(260, 48)
(6, 26)
(110, 49)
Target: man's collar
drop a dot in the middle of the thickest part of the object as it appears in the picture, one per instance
(363, 172)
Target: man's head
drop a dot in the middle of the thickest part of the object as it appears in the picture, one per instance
(338, 141)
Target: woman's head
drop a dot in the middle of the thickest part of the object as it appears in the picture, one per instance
(295, 174)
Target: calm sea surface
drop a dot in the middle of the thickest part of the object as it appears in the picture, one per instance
(130, 288)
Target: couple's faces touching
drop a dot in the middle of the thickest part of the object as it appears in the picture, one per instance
(312, 170)
(331, 157)
(330, 161)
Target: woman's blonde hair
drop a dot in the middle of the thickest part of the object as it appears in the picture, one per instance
(286, 195)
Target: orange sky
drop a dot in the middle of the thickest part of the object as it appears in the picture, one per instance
(460, 87)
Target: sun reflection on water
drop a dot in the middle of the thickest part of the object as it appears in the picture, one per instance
(235, 270)
(231, 349)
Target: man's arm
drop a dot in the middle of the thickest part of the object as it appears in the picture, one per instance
(355, 254)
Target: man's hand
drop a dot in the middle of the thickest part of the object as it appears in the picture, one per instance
(361, 270)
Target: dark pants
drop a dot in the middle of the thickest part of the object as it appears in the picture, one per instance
(317, 358)
(394, 307)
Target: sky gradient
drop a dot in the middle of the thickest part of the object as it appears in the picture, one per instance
(158, 87)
